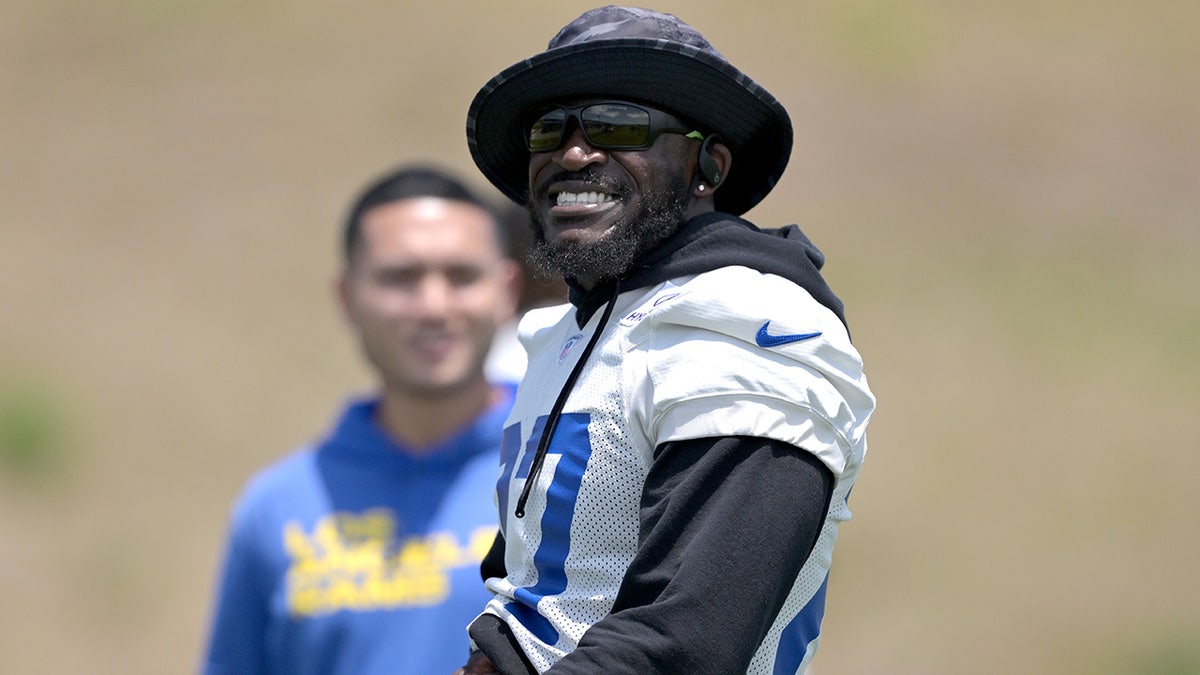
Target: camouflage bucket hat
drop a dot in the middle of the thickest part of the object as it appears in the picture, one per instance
(646, 56)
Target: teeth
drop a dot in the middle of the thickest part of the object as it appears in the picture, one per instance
(571, 198)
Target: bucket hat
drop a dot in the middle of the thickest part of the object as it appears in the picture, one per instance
(645, 56)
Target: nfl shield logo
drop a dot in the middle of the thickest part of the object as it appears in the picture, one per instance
(566, 348)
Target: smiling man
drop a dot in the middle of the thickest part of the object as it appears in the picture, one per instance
(592, 221)
(359, 554)
(682, 449)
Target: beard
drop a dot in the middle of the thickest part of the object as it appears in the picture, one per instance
(662, 212)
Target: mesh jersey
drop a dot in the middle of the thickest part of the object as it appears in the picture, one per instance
(731, 352)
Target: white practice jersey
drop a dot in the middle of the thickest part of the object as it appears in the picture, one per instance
(731, 352)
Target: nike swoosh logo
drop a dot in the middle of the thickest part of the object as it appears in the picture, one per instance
(765, 339)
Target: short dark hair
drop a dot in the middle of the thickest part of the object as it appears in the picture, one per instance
(410, 182)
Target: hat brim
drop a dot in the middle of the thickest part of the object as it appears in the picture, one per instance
(676, 77)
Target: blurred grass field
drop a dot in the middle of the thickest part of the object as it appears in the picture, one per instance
(1008, 195)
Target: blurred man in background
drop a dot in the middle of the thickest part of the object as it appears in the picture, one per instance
(360, 554)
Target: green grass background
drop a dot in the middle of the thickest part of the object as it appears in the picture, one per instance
(1008, 194)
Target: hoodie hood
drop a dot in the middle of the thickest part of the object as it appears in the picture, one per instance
(711, 241)
(358, 433)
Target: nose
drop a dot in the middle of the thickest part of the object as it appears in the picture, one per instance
(435, 295)
(577, 153)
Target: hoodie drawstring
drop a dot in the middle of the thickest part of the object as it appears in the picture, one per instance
(556, 411)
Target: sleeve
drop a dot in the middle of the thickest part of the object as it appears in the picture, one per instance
(725, 526)
(494, 638)
(237, 636)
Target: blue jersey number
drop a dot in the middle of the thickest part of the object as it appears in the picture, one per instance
(573, 446)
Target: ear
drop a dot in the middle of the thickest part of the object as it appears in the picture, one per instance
(341, 291)
(713, 161)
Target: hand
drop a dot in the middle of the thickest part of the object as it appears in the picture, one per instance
(478, 664)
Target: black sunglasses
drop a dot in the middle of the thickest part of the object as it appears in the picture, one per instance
(607, 125)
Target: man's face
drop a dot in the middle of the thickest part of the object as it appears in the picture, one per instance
(425, 291)
(595, 211)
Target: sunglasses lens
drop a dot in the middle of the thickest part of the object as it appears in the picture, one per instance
(613, 125)
(606, 126)
(547, 131)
